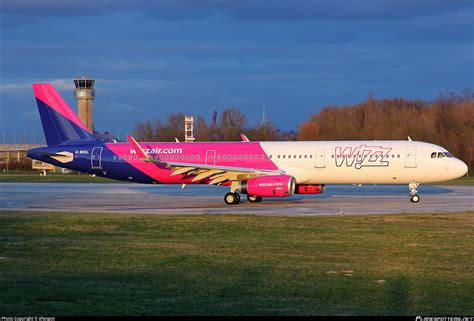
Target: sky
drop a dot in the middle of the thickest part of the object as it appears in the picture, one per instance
(153, 58)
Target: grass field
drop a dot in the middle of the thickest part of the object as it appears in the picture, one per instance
(56, 264)
(83, 178)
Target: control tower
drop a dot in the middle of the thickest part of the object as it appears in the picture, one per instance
(85, 94)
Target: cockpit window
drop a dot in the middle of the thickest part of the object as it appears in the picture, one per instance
(440, 155)
(433, 155)
(447, 154)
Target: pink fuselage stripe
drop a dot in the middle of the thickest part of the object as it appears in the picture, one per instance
(209, 153)
(48, 95)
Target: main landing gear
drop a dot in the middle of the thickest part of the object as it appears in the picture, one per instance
(414, 198)
(232, 198)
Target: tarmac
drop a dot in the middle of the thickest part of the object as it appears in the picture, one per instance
(202, 199)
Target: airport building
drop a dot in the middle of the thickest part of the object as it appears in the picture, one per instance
(13, 156)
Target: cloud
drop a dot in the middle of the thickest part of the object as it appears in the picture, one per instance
(246, 10)
(64, 8)
(14, 87)
(59, 84)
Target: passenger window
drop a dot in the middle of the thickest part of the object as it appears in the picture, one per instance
(433, 155)
(440, 155)
(245, 156)
(284, 156)
(120, 158)
(278, 156)
(250, 156)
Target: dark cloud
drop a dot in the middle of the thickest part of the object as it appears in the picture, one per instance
(199, 56)
(246, 10)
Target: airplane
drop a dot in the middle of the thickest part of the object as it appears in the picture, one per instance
(257, 169)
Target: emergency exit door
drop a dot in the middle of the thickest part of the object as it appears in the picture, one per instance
(320, 161)
(410, 157)
(211, 157)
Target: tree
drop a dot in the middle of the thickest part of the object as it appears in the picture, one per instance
(203, 132)
(143, 131)
(231, 124)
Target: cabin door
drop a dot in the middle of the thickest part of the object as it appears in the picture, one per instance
(410, 156)
(96, 158)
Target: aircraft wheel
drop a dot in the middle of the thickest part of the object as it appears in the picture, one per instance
(231, 198)
(254, 199)
(415, 199)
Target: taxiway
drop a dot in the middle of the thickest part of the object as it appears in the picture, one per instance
(171, 199)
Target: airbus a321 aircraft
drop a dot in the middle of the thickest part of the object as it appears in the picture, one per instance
(258, 169)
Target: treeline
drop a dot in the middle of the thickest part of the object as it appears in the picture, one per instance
(231, 123)
(447, 121)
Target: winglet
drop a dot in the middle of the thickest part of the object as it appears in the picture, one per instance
(244, 138)
(137, 146)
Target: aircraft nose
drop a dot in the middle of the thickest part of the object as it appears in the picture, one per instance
(461, 168)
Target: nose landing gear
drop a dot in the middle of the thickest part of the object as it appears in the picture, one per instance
(414, 198)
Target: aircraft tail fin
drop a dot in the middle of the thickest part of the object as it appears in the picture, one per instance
(60, 124)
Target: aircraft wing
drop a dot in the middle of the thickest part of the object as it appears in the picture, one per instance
(216, 173)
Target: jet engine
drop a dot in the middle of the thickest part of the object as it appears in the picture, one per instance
(309, 189)
(269, 186)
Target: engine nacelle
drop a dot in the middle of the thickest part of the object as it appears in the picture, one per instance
(269, 186)
(309, 189)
